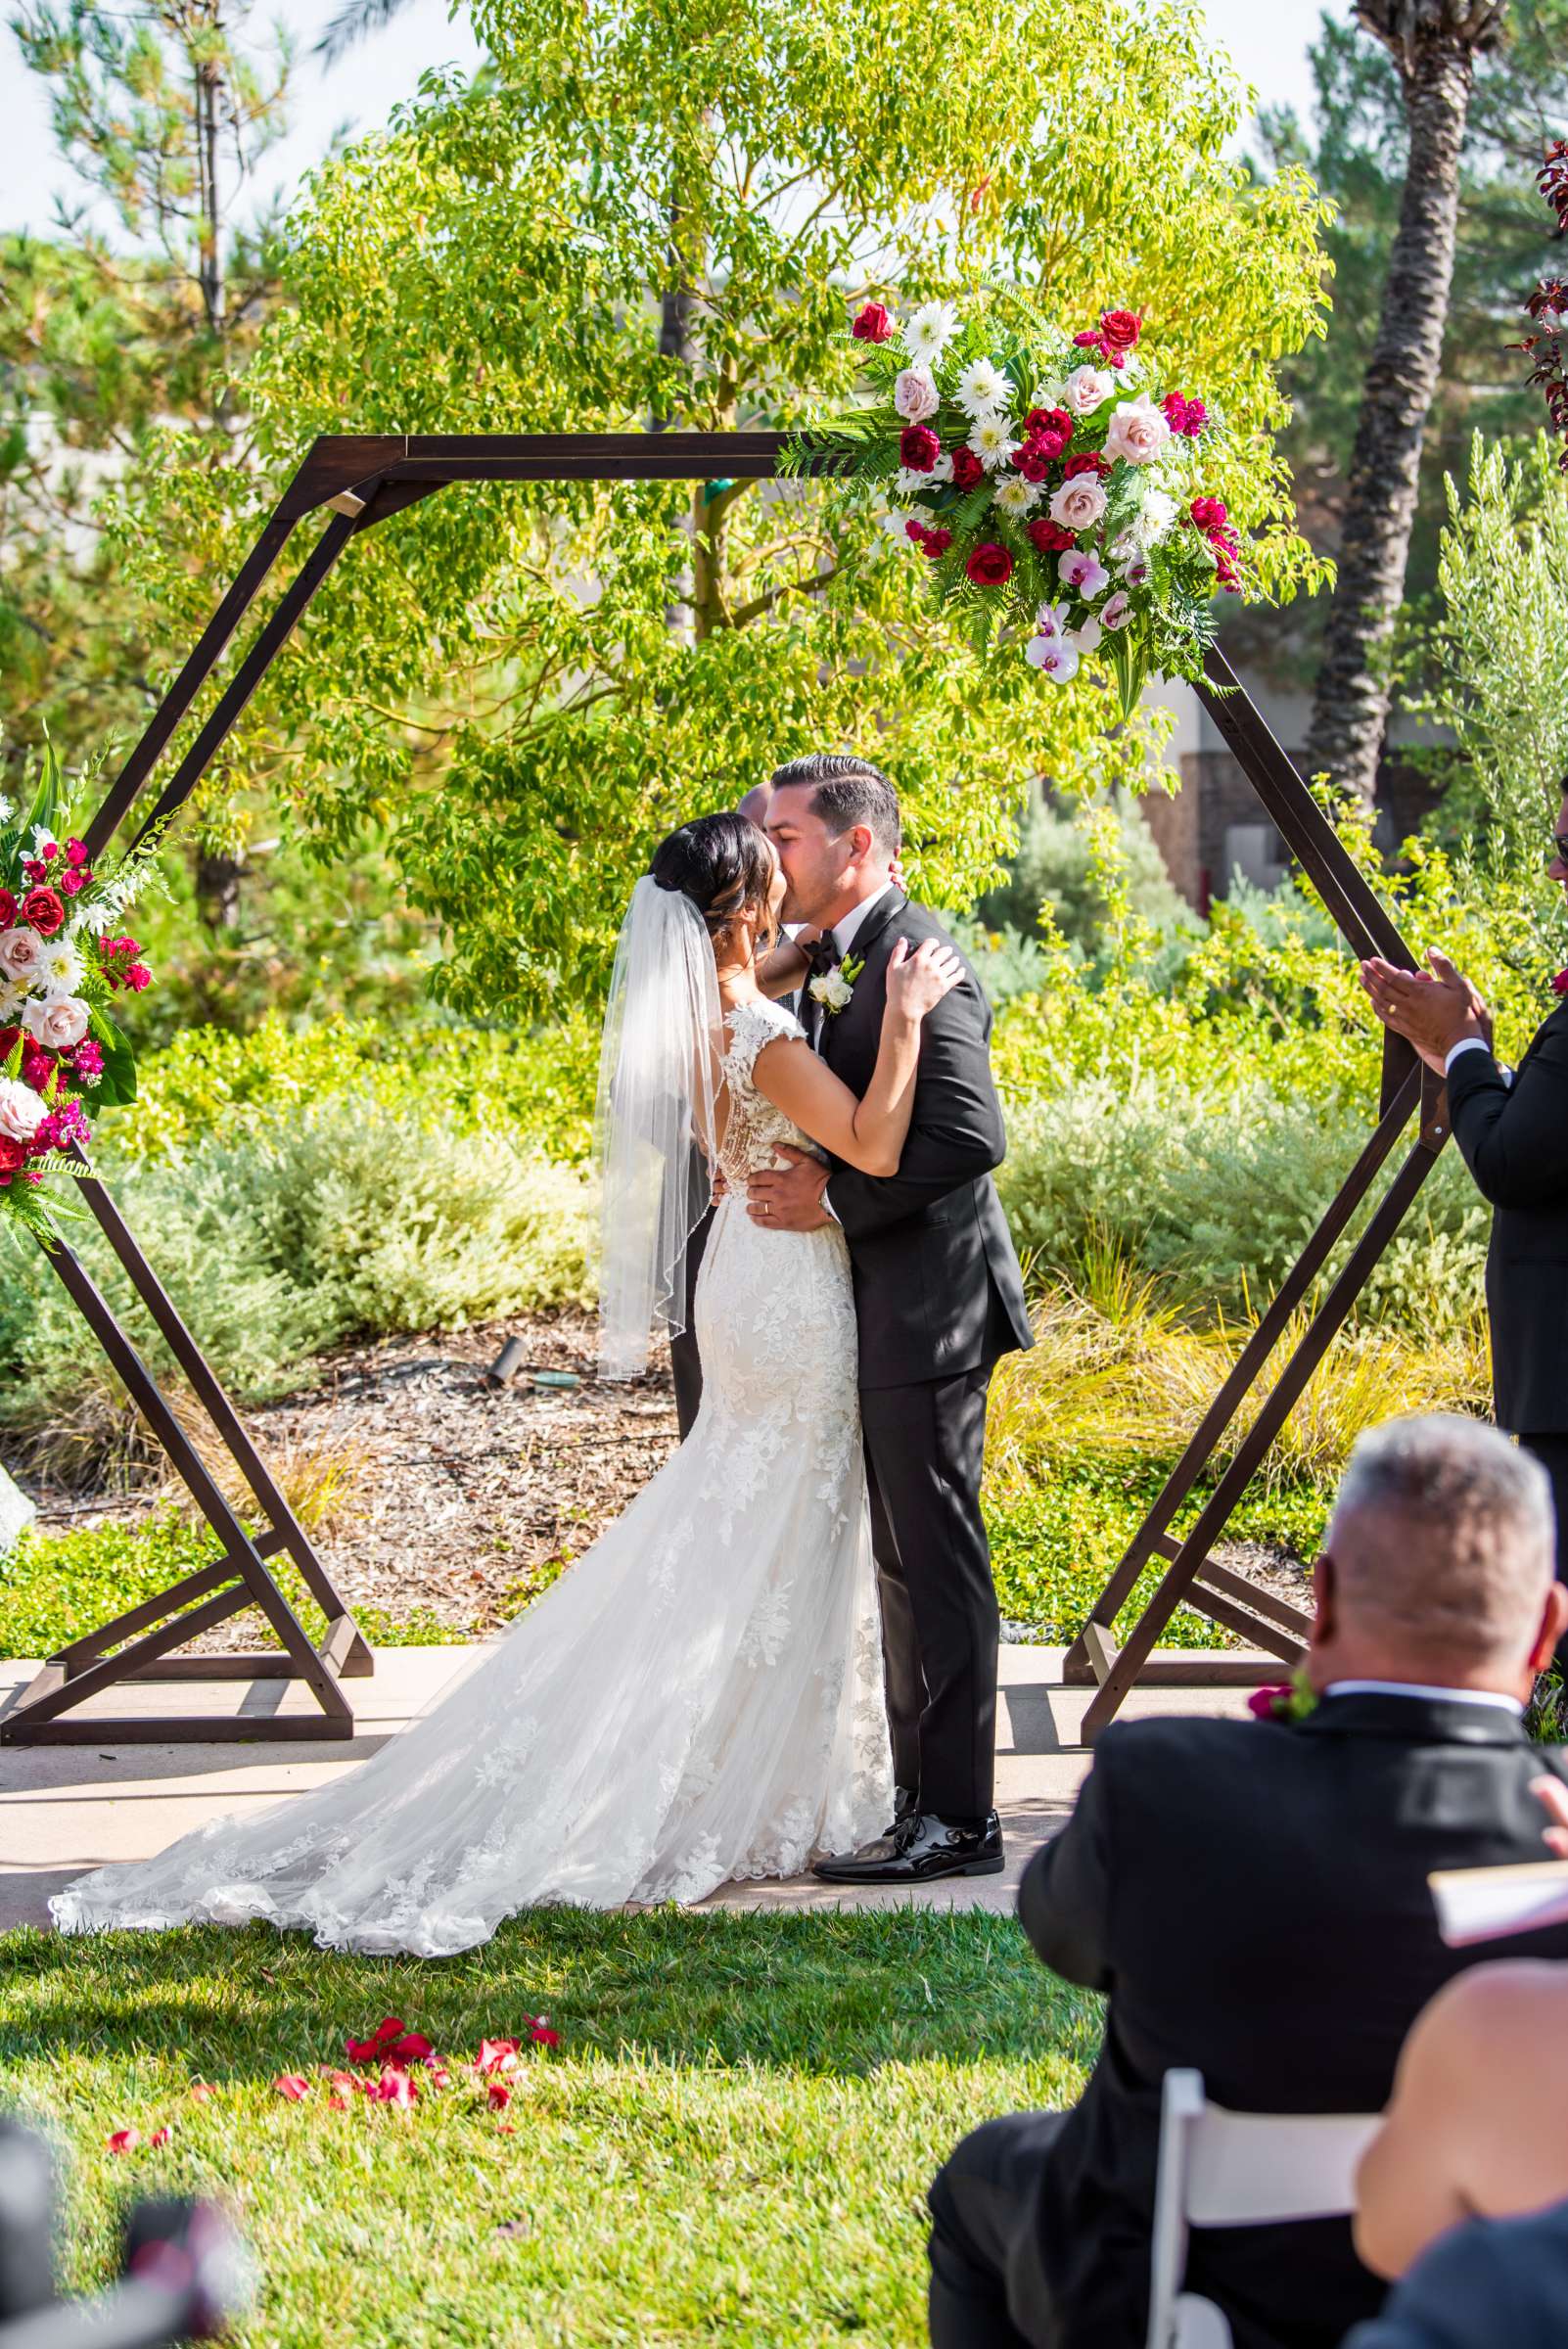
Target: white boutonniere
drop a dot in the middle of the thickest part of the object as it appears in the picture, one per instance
(834, 989)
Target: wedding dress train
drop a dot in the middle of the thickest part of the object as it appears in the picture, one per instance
(698, 1700)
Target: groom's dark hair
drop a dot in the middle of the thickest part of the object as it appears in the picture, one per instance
(846, 790)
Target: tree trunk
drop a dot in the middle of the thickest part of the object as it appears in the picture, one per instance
(1349, 710)
(218, 889)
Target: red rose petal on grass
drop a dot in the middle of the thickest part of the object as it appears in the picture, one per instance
(124, 2140)
(540, 2033)
(379, 2043)
(293, 2086)
(412, 2047)
(498, 2096)
(200, 2093)
(396, 2086)
(496, 2055)
(160, 2136)
(504, 2129)
(336, 2102)
(435, 2072)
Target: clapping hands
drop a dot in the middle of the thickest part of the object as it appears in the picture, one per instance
(1433, 1010)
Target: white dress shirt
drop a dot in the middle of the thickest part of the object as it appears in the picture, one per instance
(848, 930)
(1446, 1696)
(1473, 1044)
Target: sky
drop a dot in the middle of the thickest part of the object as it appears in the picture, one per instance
(1266, 43)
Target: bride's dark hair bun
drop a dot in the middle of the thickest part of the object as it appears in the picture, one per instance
(721, 862)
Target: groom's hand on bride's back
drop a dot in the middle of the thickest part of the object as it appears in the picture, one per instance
(790, 1199)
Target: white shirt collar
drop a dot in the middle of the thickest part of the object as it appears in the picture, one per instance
(846, 932)
(1446, 1696)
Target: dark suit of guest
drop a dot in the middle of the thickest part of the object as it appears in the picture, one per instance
(1254, 1899)
(1514, 1140)
(939, 1299)
(1494, 2284)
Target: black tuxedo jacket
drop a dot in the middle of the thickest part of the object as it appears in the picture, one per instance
(1254, 1899)
(937, 1284)
(1515, 1143)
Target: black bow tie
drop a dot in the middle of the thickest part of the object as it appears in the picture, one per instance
(823, 954)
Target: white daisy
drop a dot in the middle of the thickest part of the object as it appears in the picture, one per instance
(1015, 495)
(60, 968)
(993, 441)
(929, 332)
(982, 388)
(1159, 513)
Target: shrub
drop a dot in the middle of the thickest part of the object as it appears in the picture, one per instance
(348, 1218)
(1219, 1195)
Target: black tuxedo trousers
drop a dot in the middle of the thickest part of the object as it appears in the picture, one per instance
(939, 1299)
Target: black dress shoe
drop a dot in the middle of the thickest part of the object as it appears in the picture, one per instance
(919, 1850)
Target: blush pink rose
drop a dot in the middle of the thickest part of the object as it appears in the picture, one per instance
(916, 395)
(1077, 505)
(21, 1111)
(1087, 387)
(21, 953)
(57, 1023)
(1138, 431)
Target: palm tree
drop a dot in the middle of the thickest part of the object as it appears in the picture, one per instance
(1434, 45)
(355, 21)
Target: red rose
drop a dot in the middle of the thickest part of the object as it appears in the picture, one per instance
(1559, 985)
(1121, 328)
(914, 528)
(1048, 537)
(1269, 1704)
(12, 1155)
(990, 566)
(75, 852)
(1036, 457)
(1209, 513)
(8, 909)
(1093, 340)
(1087, 460)
(873, 325)
(919, 447)
(43, 909)
(967, 471)
(1049, 420)
(937, 543)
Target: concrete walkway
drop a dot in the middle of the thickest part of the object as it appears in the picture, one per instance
(66, 1809)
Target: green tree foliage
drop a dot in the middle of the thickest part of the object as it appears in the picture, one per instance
(137, 313)
(1496, 659)
(1357, 151)
(655, 214)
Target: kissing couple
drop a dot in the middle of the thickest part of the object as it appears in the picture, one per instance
(784, 1654)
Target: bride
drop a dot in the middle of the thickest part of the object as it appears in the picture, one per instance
(699, 1698)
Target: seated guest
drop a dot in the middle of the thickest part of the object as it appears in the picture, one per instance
(1253, 1896)
(1492, 2283)
(1474, 2125)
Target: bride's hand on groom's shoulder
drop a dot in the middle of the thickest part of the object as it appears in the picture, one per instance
(790, 1198)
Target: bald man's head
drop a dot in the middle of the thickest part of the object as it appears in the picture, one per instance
(1440, 1560)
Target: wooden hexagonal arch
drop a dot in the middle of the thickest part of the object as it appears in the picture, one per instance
(362, 481)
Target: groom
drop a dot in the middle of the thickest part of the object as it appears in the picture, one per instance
(939, 1299)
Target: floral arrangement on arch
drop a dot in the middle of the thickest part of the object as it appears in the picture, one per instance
(1056, 481)
(63, 959)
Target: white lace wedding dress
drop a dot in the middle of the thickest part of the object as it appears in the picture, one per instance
(699, 1700)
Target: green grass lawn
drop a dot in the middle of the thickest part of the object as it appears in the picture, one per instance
(731, 2144)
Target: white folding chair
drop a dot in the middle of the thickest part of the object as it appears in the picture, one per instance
(1237, 2169)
